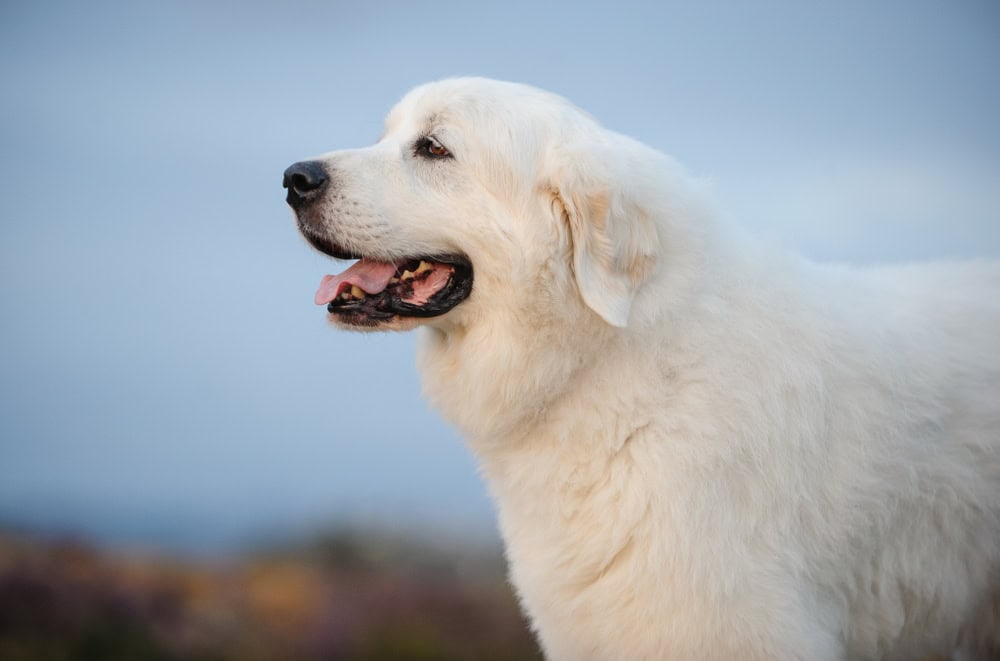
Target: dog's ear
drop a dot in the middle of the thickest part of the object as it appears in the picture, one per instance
(614, 240)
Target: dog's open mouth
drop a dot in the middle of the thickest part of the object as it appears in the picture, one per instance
(372, 291)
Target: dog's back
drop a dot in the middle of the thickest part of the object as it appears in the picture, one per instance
(913, 452)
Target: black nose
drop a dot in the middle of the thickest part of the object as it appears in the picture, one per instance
(304, 181)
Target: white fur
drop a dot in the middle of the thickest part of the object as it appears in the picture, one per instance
(699, 448)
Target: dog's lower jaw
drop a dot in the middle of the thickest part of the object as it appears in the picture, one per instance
(397, 324)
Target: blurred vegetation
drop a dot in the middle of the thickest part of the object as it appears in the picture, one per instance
(343, 595)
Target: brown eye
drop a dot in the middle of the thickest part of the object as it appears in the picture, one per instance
(431, 148)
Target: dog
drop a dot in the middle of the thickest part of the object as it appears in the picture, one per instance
(699, 447)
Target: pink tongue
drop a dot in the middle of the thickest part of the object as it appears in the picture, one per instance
(369, 275)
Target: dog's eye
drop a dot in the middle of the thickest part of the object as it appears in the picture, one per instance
(429, 147)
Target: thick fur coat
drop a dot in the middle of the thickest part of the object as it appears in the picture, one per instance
(699, 447)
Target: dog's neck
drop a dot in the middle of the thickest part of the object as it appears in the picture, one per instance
(497, 397)
(499, 380)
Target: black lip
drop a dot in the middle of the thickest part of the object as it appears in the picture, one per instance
(325, 245)
(389, 303)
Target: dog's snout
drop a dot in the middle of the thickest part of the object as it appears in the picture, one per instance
(304, 181)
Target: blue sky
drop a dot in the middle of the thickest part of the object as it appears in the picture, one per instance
(164, 376)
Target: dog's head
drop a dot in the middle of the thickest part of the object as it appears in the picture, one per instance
(480, 195)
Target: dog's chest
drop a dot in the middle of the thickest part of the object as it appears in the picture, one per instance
(581, 540)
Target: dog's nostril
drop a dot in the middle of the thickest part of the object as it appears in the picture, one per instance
(305, 177)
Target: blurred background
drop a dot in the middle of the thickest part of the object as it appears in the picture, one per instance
(192, 462)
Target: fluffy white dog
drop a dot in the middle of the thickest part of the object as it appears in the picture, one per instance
(698, 448)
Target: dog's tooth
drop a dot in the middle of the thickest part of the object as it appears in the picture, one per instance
(407, 275)
(424, 266)
(345, 295)
(393, 280)
(357, 292)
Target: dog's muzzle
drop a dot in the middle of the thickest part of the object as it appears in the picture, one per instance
(305, 181)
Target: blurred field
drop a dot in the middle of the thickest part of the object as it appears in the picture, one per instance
(345, 595)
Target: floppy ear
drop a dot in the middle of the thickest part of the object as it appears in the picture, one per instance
(613, 234)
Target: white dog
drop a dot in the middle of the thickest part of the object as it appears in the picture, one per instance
(698, 448)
